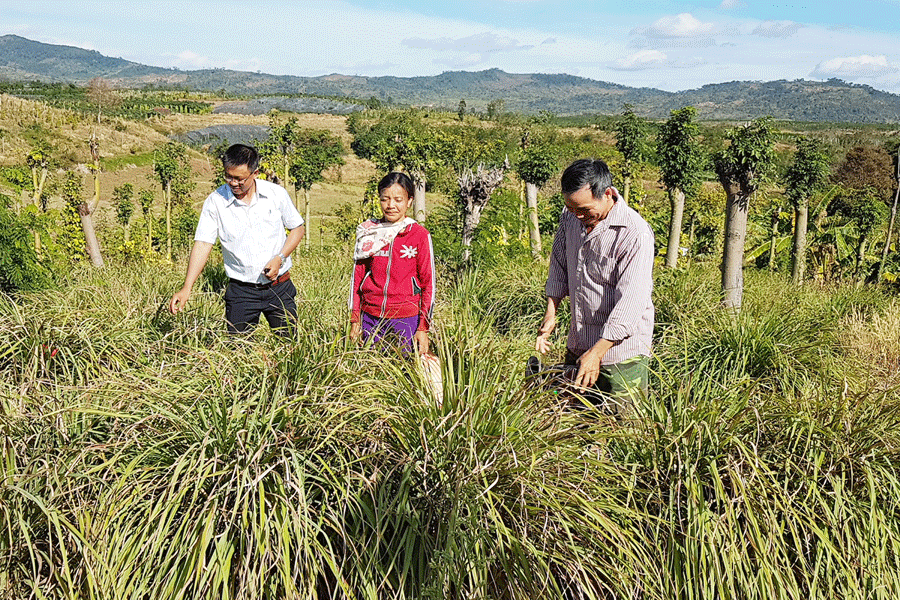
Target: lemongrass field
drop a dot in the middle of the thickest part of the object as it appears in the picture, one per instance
(146, 456)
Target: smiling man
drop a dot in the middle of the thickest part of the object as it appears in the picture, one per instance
(602, 258)
(249, 217)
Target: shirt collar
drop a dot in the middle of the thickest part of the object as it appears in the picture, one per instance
(618, 214)
(257, 194)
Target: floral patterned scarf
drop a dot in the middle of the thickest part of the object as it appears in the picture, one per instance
(374, 235)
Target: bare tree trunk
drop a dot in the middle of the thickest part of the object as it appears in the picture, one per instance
(773, 241)
(308, 226)
(90, 236)
(692, 237)
(798, 251)
(627, 191)
(736, 209)
(169, 220)
(861, 258)
(475, 188)
(149, 232)
(38, 192)
(419, 199)
(531, 191)
(676, 200)
(890, 231)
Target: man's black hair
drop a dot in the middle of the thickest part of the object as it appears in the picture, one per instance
(241, 154)
(591, 172)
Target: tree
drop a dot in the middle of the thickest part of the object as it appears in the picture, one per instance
(101, 94)
(536, 165)
(72, 192)
(475, 189)
(890, 231)
(680, 164)
(279, 149)
(315, 151)
(804, 177)
(461, 110)
(495, 109)
(866, 210)
(172, 168)
(631, 131)
(400, 139)
(122, 200)
(38, 160)
(741, 167)
(145, 198)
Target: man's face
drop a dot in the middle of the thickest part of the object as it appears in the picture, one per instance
(586, 208)
(240, 179)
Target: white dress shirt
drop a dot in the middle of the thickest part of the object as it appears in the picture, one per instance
(250, 234)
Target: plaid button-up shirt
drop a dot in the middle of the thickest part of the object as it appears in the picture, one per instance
(608, 274)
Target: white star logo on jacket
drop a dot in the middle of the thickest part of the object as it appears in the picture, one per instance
(409, 251)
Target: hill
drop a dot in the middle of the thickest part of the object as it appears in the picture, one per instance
(799, 100)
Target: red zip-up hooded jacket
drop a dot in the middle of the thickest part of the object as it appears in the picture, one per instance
(398, 281)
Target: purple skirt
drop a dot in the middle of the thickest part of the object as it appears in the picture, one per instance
(398, 332)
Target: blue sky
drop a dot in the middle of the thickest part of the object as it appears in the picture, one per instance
(666, 44)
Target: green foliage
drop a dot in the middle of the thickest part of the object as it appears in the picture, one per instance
(867, 167)
(344, 225)
(750, 155)
(631, 134)
(184, 224)
(537, 164)
(316, 151)
(679, 154)
(18, 177)
(122, 199)
(808, 173)
(863, 207)
(20, 267)
(172, 167)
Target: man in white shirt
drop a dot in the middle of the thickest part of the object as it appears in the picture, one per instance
(249, 218)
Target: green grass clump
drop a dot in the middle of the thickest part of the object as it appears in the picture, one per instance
(151, 456)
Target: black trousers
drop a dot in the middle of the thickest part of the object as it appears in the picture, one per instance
(244, 302)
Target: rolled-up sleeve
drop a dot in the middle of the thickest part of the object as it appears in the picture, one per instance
(633, 288)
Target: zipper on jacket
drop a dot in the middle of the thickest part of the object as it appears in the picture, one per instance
(387, 278)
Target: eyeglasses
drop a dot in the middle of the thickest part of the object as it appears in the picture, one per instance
(236, 181)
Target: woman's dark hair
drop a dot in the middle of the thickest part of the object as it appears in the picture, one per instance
(397, 178)
(591, 172)
(240, 154)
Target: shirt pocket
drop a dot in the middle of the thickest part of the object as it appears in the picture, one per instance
(601, 268)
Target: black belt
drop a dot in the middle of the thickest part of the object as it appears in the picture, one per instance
(263, 286)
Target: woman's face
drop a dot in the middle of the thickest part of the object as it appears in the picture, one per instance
(394, 203)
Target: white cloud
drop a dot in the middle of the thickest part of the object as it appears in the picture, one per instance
(481, 43)
(855, 67)
(777, 29)
(730, 4)
(191, 60)
(679, 26)
(644, 59)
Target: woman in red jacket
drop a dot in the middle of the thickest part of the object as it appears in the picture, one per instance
(392, 294)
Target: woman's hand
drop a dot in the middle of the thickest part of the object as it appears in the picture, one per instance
(420, 340)
(355, 331)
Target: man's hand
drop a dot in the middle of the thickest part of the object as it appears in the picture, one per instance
(542, 344)
(588, 368)
(355, 331)
(272, 267)
(589, 363)
(420, 340)
(179, 300)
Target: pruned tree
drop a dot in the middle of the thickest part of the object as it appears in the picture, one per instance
(315, 151)
(122, 198)
(741, 168)
(72, 192)
(475, 189)
(172, 168)
(631, 133)
(680, 163)
(38, 160)
(461, 110)
(279, 149)
(805, 176)
(537, 164)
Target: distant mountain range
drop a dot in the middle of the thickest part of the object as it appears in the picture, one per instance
(799, 100)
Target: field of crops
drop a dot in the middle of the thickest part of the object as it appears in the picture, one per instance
(146, 456)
